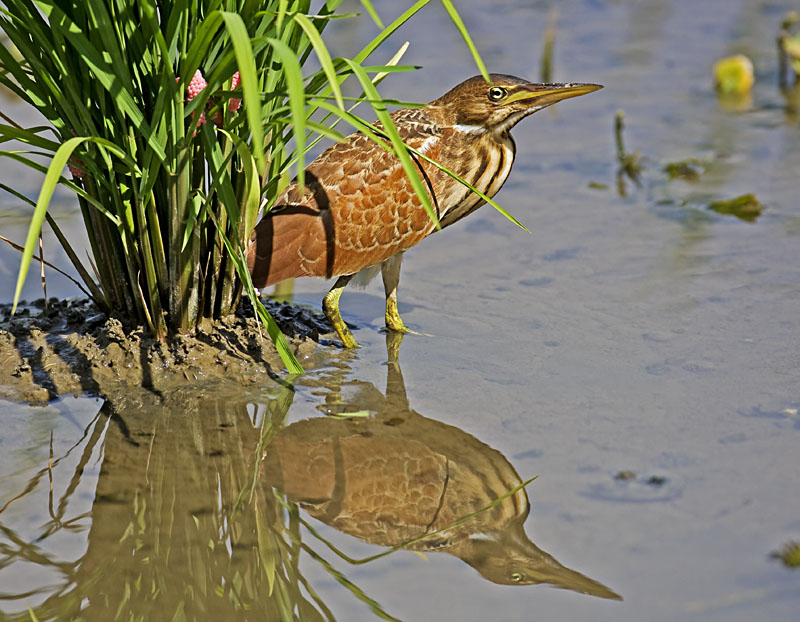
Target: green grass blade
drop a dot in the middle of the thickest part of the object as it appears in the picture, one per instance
(65, 182)
(392, 65)
(28, 137)
(218, 162)
(322, 54)
(46, 263)
(456, 18)
(96, 293)
(389, 30)
(287, 356)
(283, 8)
(104, 72)
(60, 159)
(464, 182)
(294, 85)
(200, 43)
(373, 604)
(247, 73)
(17, 194)
(251, 195)
(367, 4)
(400, 148)
(325, 131)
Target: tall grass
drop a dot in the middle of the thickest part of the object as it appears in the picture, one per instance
(142, 99)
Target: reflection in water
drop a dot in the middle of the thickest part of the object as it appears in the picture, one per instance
(195, 510)
(180, 527)
(398, 477)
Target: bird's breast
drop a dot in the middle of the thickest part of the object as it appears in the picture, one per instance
(486, 169)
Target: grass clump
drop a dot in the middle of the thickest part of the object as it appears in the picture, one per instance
(180, 122)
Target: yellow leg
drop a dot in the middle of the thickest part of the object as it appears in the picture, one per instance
(330, 305)
(393, 341)
(393, 320)
(390, 271)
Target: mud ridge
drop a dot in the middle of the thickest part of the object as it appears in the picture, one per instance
(72, 347)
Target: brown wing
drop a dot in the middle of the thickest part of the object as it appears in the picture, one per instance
(357, 209)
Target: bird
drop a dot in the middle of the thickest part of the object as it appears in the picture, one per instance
(357, 211)
(400, 479)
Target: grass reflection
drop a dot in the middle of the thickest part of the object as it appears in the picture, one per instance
(182, 526)
(196, 513)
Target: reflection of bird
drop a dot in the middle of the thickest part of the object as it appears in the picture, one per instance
(358, 208)
(399, 476)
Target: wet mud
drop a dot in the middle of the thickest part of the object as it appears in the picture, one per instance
(72, 347)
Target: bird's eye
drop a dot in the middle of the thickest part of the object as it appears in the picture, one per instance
(497, 93)
(516, 577)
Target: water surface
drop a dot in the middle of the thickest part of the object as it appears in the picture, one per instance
(640, 334)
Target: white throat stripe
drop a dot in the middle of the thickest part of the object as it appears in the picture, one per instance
(469, 129)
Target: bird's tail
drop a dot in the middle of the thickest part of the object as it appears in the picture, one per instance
(290, 243)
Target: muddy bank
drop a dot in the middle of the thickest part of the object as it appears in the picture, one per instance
(72, 347)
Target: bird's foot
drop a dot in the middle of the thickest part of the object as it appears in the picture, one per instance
(405, 330)
(348, 341)
(330, 305)
(394, 323)
(393, 320)
(397, 328)
(341, 327)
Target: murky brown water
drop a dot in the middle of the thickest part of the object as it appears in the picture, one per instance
(642, 334)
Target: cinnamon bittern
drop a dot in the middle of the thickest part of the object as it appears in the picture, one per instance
(358, 209)
(398, 478)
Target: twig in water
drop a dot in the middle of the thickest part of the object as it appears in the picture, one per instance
(630, 164)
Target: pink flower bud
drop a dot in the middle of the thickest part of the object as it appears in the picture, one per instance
(76, 172)
(197, 84)
(235, 102)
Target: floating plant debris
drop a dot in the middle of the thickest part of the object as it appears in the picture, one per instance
(789, 554)
(745, 207)
(689, 169)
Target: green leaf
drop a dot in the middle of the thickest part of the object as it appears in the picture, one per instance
(389, 30)
(464, 182)
(247, 74)
(60, 159)
(297, 98)
(104, 72)
(456, 18)
(28, 136)
(399, 147)
(372, 13)
(322, 54)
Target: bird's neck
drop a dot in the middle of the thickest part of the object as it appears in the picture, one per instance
(501, 135)
(482, 159)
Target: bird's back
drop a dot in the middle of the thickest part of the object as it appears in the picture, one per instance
(356, 210)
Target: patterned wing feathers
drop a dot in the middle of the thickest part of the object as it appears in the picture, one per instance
(357, 210)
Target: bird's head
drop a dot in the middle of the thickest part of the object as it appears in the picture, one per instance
(508, 557)
(476, 105)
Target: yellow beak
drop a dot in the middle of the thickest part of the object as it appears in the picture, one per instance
(546, 94)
